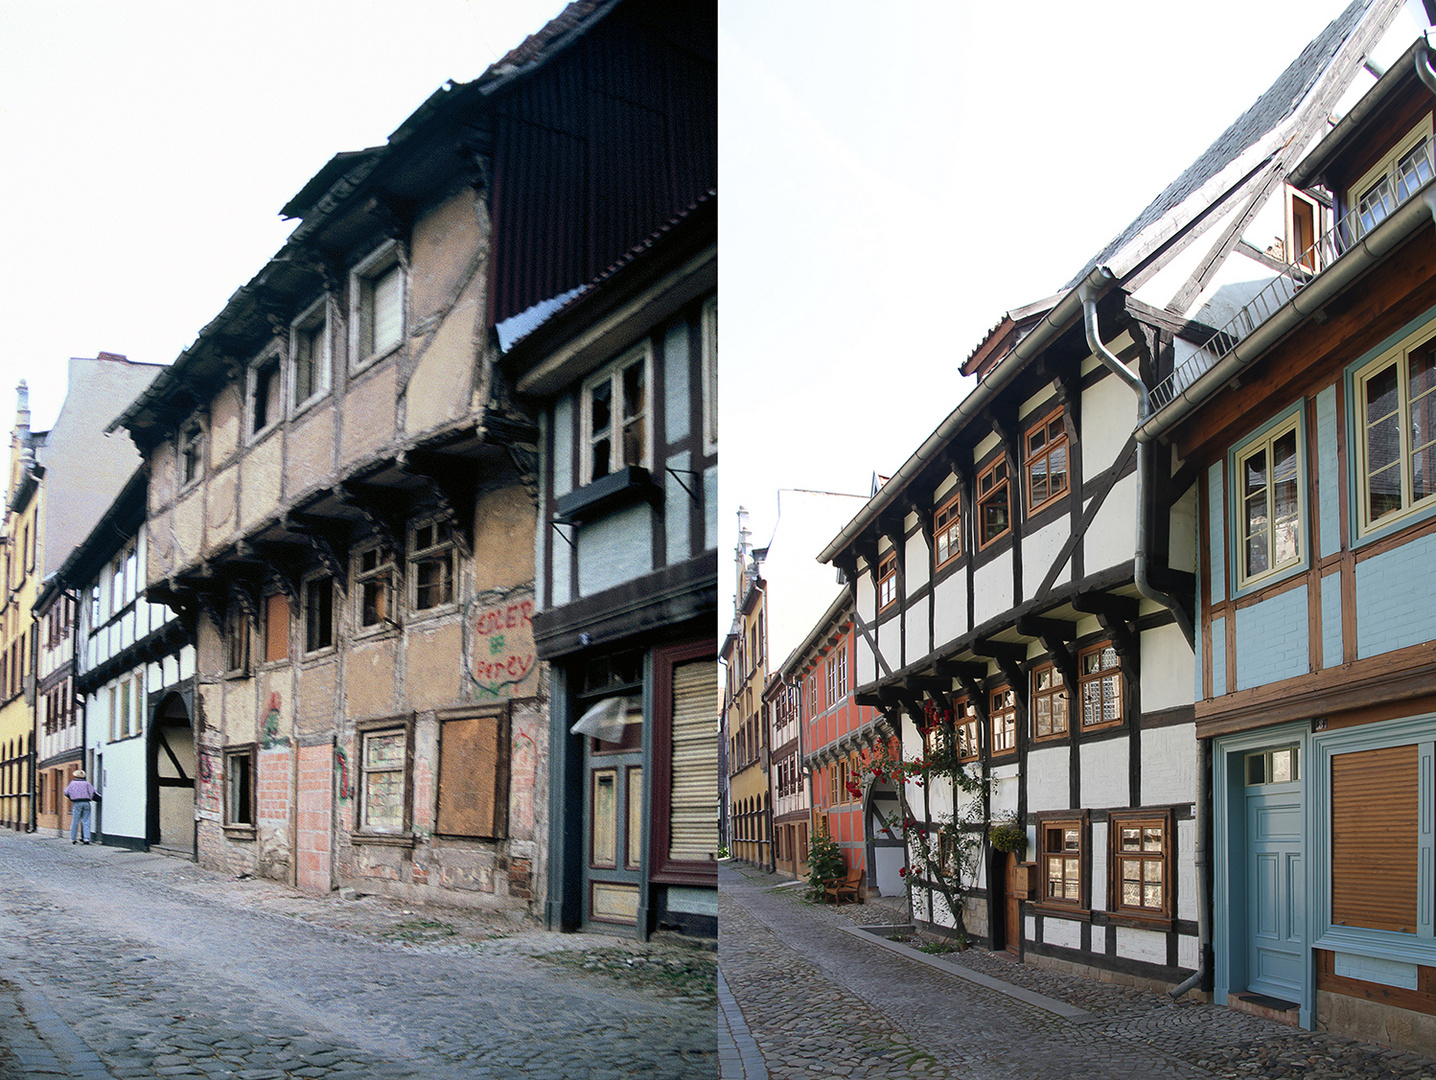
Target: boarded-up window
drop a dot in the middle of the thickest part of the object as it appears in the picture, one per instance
(276, 628)
(473, 772)
(1374, 802)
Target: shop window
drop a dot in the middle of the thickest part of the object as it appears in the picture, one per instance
(1049, 703)
(1045, 462)
(994, 508)
(1100, 672)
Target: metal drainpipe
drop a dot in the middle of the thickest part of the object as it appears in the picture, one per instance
(1184, 620)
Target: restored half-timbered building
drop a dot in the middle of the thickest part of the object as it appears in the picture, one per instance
(1310, 426)
(1025, 583)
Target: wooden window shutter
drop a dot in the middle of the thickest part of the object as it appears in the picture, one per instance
(692, 814)
(1374, 801)
(474, 772)
(276, 627)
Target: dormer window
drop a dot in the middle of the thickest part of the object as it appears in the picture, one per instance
(1393, 179)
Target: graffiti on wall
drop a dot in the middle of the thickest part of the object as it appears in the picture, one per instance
(341, 768)
(208, 767)
(272, 737)
(503, 658)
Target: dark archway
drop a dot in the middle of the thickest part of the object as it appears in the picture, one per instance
(171, 777)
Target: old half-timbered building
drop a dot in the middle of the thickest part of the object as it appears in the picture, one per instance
(1309, 422)
(130, 665)
(341, 491)
(606, 307)
(1024, 586)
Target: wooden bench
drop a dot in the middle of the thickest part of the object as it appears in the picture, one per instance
(847, 885)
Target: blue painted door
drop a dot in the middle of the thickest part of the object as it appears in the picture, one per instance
(1276, 916)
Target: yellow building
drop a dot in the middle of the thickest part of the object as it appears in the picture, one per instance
(19, 538)
(751, 812)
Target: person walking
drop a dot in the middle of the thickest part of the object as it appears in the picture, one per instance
(81, 794)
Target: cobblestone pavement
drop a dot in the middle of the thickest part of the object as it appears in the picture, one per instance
(122, 965)
(820, 1002)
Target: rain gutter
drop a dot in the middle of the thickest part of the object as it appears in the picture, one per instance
(1067, 310)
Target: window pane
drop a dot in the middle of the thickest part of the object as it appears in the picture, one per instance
(387, 309)
(1421, 392)
(384, 751)
(383, 799)
(1152, 840)
(1130, 839)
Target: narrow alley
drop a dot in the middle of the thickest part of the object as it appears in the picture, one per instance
(806, 993)
(118, 964)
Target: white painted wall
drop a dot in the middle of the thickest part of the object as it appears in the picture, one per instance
(1039, 550)
(1099, 865)
(1112, 539)
(992, 588)
(949, 618)
(1167, 668)
(1047, 783)
(1104, 773)
(1169, 765)
(1109, 413)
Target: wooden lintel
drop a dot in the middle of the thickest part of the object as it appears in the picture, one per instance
(958, 669)
(1002, 651)
(1108, 605)
(1038, 626)
(927, 684)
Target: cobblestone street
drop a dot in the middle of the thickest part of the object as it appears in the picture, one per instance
(118, 965)
(811, 998)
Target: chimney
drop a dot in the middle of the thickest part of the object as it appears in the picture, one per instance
(22, 424)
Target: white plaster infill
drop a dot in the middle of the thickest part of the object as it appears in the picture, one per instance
(871, 934)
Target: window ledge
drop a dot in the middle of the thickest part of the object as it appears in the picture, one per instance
(1053, 911)
(383, 839)
(628, 485)
(1140, 922)
(239, 832)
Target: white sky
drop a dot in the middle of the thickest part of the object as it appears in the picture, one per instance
(892, 184)
(146, 148)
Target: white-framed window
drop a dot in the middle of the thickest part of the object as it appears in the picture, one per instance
(1395, 401)
(376, 306)
(616, 409)
(373, 588)
(264, 392)
(383, 777)
(1268, 473)
(311, 350)
(318, 614)
(191, 453)
(432, 565)
(710, 375)
(1391, 181)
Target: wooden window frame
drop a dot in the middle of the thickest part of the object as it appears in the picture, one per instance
(1411, 507)
(1063, 823)
(364, 350)
(990, 488)
(380, 577)
(1085, 679)
(1032, 457)
(1007, 716)
(887, 580)
(189, 454)
(311, 592)
(1052, 693)
(947, 532)
(233, 822)
(1163, 915)
(311, 341)
(1264, 442)
(611, 376)
(237, 644)
(264, 394)
(1383, 170)
(1303, 213)
(363, 730)
(442, 550)
(966, 730)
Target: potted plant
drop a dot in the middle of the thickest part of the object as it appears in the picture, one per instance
(1009, 836)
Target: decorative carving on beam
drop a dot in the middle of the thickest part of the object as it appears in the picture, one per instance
(241, 592)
